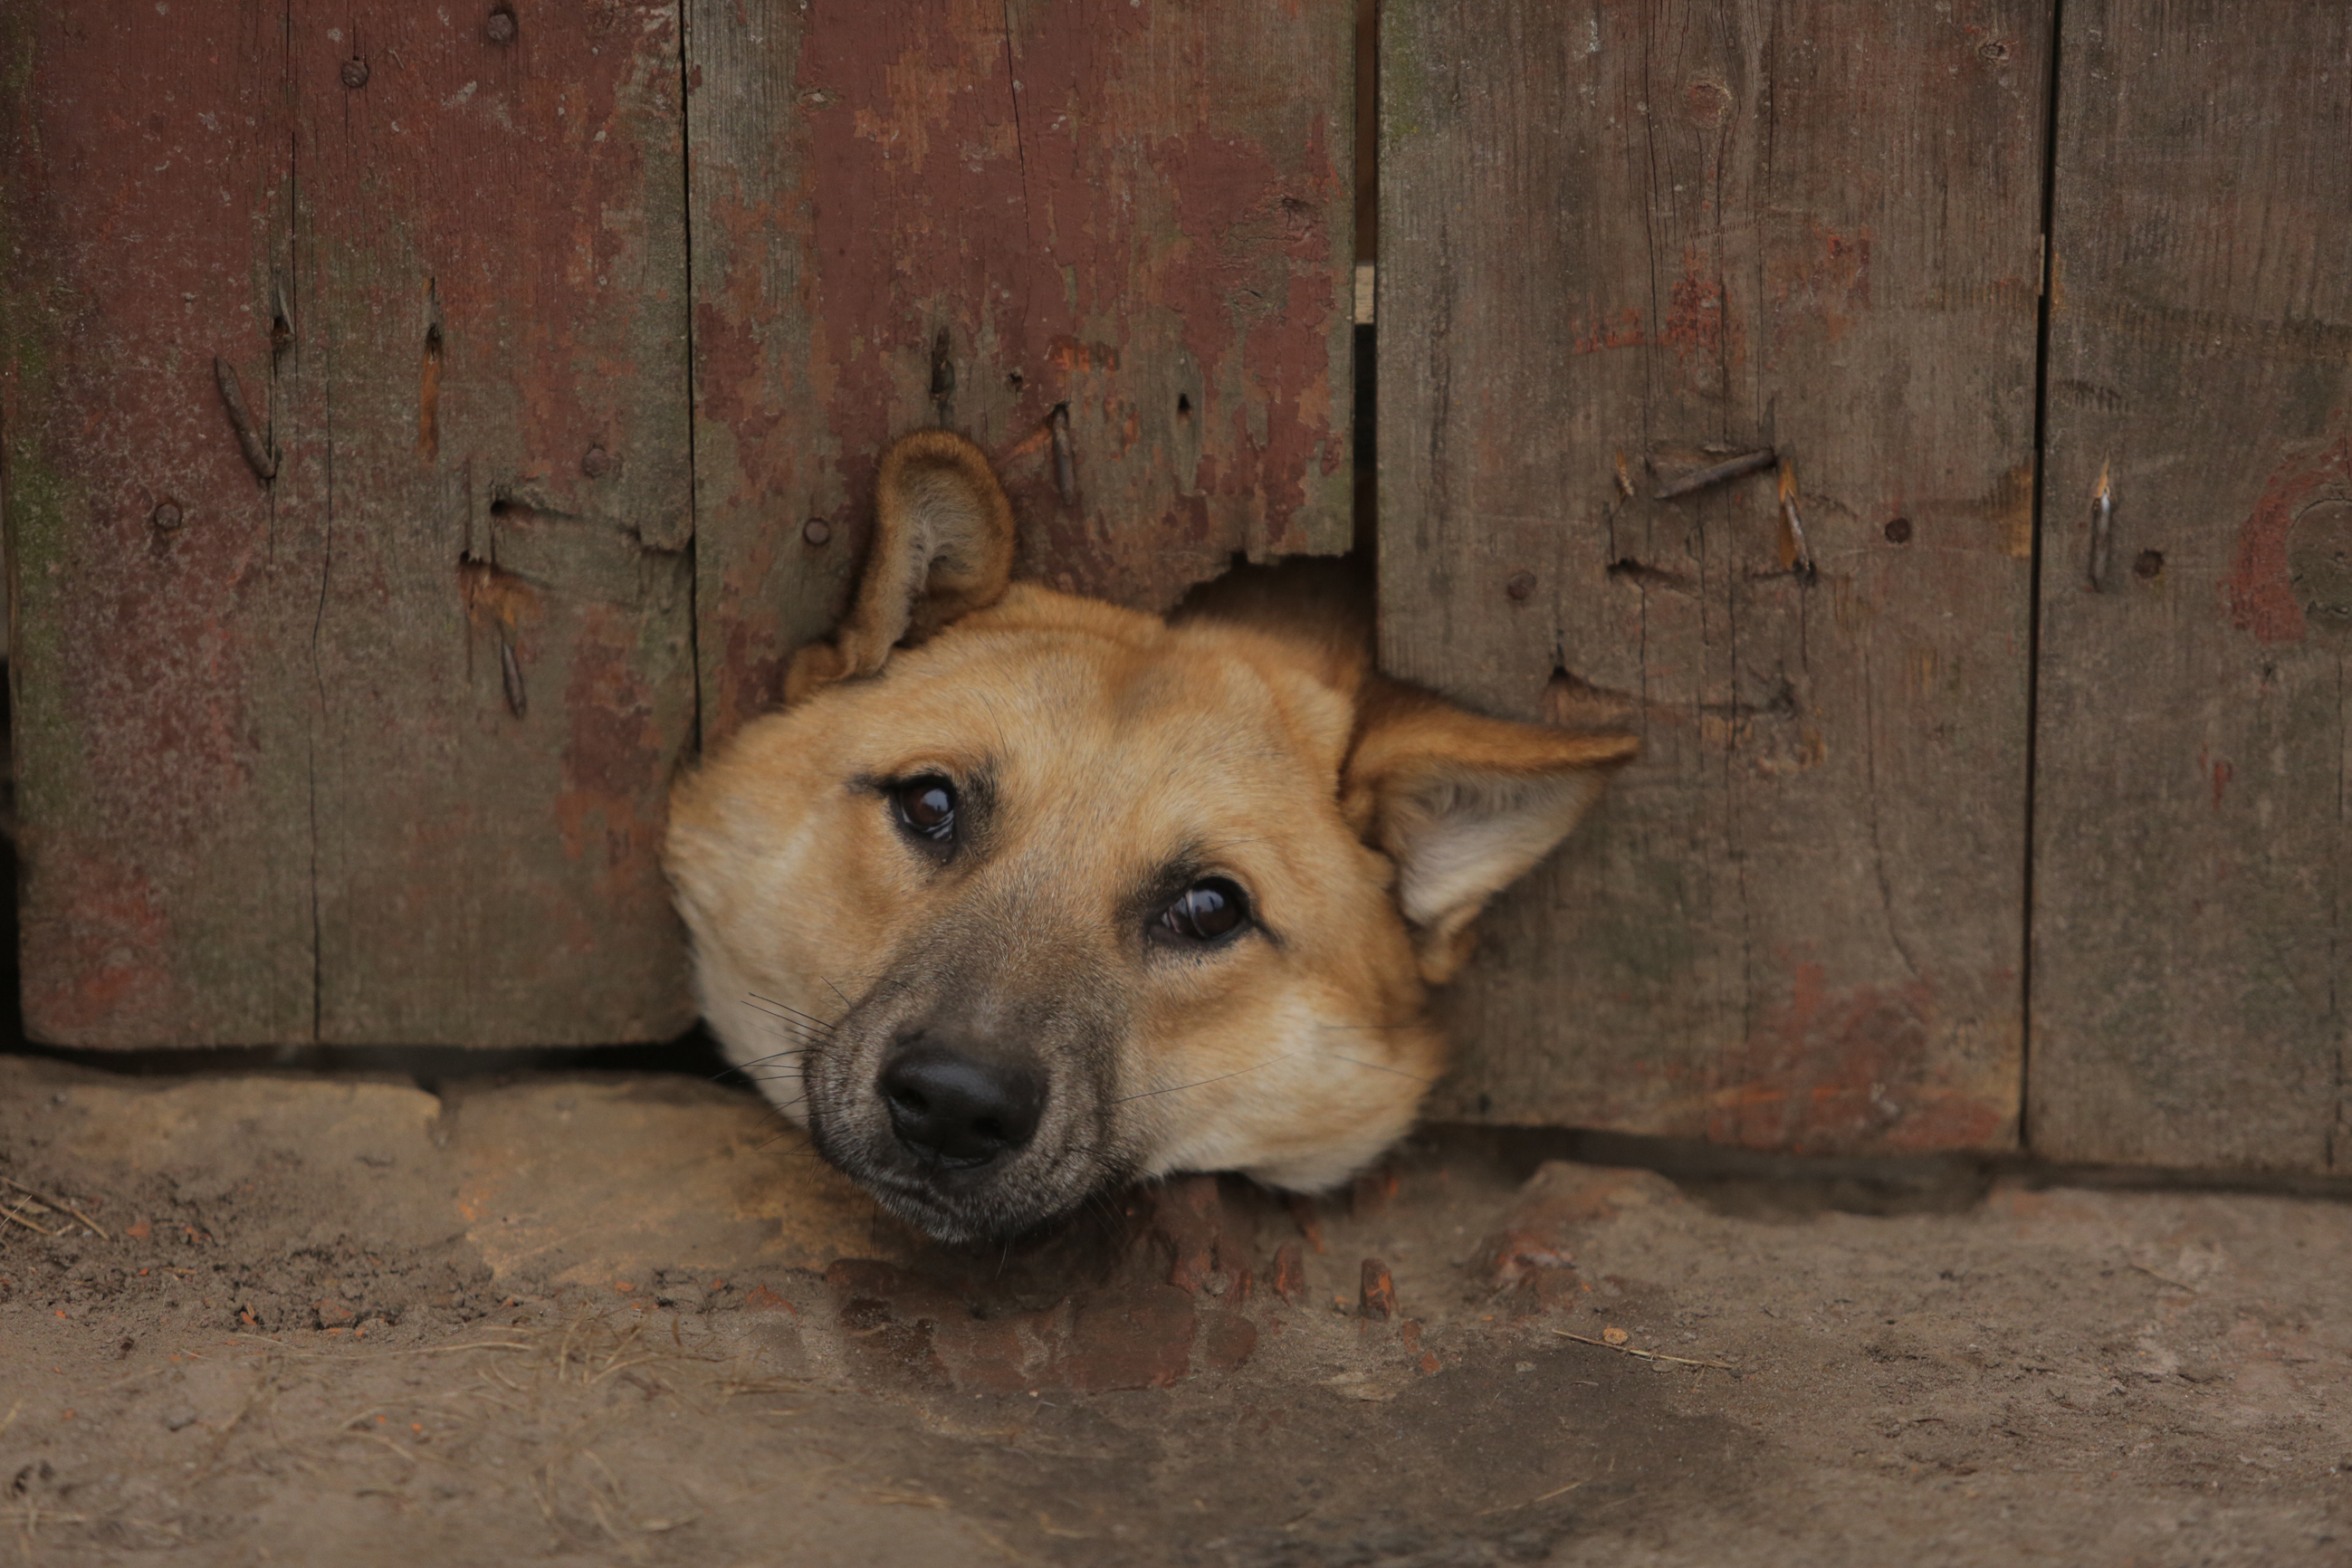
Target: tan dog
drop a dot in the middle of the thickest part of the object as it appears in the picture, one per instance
(1024, 896)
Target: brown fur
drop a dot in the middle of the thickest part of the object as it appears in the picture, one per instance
(1104, 753)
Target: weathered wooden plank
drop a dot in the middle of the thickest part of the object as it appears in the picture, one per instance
(158, 594)
(490, 380)
(416, 701)
(2191, 969)
(910, 214)
(1620, 243)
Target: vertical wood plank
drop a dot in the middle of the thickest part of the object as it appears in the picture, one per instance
(1621, 243)
(2191, 969)
(974, 216)
(159, 592)
(489, 389)
(374, 752)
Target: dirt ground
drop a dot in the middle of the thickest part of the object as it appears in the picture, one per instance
(627, 1318)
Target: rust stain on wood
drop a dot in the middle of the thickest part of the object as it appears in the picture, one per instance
(2260, 584)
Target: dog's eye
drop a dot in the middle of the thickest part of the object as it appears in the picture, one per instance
(1207, 910)
(927, 806)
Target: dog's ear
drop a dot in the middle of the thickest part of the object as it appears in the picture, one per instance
(943, 536)
(1464, 806)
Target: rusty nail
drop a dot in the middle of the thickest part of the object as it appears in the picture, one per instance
(510, 672)
(1066, 477)
(1898, 530)
(355, 73)
(2149, 564)
(1796, 555)
(1716, 473)
(597, 463)
(1290, 1273)
(257, 455)
(1519, 585)
(500, 27)
(166, 515)
(1377, 1296)
(2102, 520)
(816, 530)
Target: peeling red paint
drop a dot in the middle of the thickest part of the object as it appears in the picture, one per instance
(1599, 333)
(1840, 1068)
(1828, 284)
(103, 943)
(2260, 589)
(1693, 322)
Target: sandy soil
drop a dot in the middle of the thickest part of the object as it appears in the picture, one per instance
(614, 1318)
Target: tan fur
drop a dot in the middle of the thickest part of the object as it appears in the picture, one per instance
(1247, 736)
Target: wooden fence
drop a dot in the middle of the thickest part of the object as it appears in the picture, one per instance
(1996, 721)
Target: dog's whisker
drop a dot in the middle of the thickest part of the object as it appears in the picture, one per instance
(795, 1012)
(1199, 1083)
(1379, 1067)
(797, 1026)
(777, 1057)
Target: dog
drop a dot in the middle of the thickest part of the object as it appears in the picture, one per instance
(1022, 896)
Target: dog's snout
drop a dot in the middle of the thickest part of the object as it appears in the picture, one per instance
(957, 1111)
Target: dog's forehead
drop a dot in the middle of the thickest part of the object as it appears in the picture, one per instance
(1041, 709)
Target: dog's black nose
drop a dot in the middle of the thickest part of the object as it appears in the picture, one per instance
(958, 1111)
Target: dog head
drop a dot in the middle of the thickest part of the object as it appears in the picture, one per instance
(1024, 896)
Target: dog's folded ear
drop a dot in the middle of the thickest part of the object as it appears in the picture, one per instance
(1464, 805)
(943, 536)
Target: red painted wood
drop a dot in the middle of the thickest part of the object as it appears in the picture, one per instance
(907, 213)
(377, 752)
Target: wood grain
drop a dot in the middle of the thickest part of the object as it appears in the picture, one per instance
(973, 216)
(2192, 977)
(160, 730)
(1624, 242)
(376, 753)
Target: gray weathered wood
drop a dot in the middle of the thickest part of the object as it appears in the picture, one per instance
(2190, 970)
(907, 215)
(1620, 242)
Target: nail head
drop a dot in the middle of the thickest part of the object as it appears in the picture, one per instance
(1898, 530)
(355, 74)
(500, 27)
(2150, 563)
(816, 530)
(1519, 585)
(166, 516)
(597, 463)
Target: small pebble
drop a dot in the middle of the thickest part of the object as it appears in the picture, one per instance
(175, 1419)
